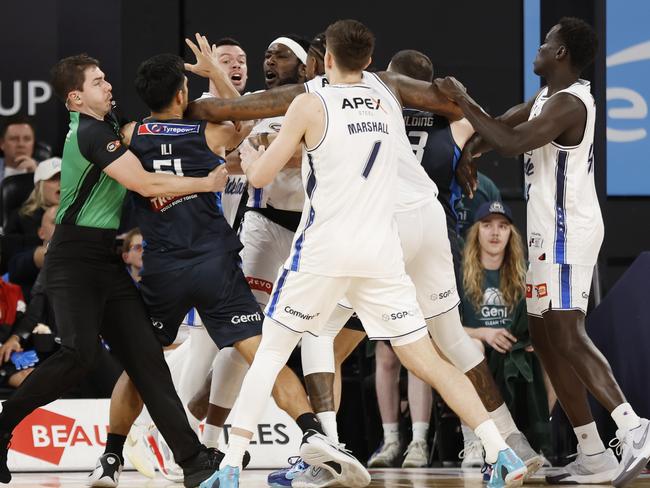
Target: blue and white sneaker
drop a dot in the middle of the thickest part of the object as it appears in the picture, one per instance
(284, 477)
(227, 477)
(509, 470)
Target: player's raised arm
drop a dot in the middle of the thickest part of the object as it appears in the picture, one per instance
(559, 114)
(270, 103)
(420, 95)
(262, 166)
(206, 66)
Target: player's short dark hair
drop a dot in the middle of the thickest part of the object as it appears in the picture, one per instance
(158, 80)
(68, 74)
(16, 120)
(351, 43)
(580, 39)
(317, 46)
(413, 63)
(228, 41)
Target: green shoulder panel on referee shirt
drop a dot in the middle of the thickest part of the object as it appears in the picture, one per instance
(89, 197)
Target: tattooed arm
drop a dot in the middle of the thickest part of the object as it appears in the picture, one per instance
(270, 103)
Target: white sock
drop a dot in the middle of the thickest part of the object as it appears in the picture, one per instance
(235, 452)
(420, 431)
(211, 434)
(491, 439)
(503, 420)
(589, 439)
(625, 417)
(391, 433)
(328, 421)
(468, 434)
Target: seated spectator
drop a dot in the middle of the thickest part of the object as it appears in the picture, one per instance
(35, 331)
(420, 400)
(24, 266)
(21, 231)
(132, 253)
(17, 140)
(494, 314)
(12, 310)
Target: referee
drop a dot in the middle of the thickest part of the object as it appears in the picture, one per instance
(87, 283)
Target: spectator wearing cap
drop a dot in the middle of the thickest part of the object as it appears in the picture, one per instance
(21, 232)
(17, 140)
(494, 315)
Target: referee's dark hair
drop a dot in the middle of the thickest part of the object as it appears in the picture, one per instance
(68, 74)
(158, 80)
(412, 63)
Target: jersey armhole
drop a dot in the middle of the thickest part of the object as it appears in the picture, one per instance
(327, 124)
(584, 132)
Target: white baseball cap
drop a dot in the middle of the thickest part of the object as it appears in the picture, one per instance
(46, 169)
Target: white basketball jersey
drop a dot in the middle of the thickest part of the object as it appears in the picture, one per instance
(564, 221)
(231, 196)
(415, 188)
(350, 177)
(285, 192)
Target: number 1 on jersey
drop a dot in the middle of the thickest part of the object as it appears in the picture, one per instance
(371, 159)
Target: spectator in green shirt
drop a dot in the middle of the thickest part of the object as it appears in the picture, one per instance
(494, 314)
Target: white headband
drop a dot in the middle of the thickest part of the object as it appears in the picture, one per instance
(297, 49)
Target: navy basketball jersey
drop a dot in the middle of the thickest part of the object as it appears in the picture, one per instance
(434, 147)
(179, 231)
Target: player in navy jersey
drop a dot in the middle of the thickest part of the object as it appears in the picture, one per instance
(191, 253)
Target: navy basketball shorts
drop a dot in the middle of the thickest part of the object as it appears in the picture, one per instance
(217, 289)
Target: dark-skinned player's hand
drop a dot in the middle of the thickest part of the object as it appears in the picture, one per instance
(466, 173)
(450, 87)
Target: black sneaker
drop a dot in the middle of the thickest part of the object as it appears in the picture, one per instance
(204, 464)
(107, 471)
(5, 474)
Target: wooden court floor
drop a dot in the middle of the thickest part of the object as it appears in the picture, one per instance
(393, 478)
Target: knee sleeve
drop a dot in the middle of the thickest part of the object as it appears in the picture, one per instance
(448, 334)
(228, 371)
(317, 354)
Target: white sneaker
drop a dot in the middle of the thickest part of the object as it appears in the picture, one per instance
(385, 456)
(107, 472)
(163, 456)
(317, 450)
(137, 451)
(313, 477)
(545, 462)
(417, 455)
(472, 455)
(634, 447)
(595, 469)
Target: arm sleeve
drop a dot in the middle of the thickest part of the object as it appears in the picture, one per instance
(99, 143)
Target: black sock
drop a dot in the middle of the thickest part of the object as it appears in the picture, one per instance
(309, 421)
(115, 445)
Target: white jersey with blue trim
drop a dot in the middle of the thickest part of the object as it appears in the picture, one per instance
(415, 188)
(285, 192)
(350, 177)
(565, 225)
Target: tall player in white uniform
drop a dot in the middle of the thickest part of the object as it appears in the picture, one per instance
(555, 132)
(347, 245)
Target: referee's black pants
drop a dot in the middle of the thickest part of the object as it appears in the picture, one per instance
(92, 293)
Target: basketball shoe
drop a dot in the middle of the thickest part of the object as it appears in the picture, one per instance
(107, 471)
(634, 447)
(595, 469)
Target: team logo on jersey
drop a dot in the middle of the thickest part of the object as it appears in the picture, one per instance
(276, 126)
(541, 290)
(113, 146)
(160, 129)
(529, 291)
(358, 102)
